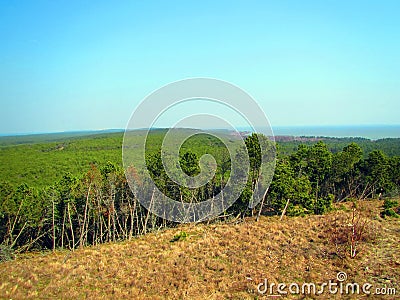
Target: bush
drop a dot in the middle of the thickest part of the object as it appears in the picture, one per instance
(350, 232)
(296, 210)
(342, 207)
(6, 253)
(181, 236)
(323, 205)
(388, 210)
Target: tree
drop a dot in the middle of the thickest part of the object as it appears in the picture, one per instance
(319, 163)
(344, 175)
(394, 165)
(7, 207)
(64, 207)
(315, 162)
(376, 174)
(254, 151)
(25, 216)
(285, 185)
(299, 160)
(190, 164)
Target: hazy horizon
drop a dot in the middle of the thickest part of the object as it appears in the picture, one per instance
(363, 131)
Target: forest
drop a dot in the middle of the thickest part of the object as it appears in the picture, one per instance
(72, 192)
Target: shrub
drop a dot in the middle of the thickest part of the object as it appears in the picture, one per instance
(6, 253)
(388, 208)
(350, 232)
(296, 210)
(181, 236)
(323, 205)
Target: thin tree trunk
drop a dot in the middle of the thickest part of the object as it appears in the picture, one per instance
(11, 229)
(131, 213)
(19, 234)
(262, 204)
(126, 235)
(137, 221)
(113, 220)
(284, 210)
(63, 229)
(72, 229)
(27, 246)
(109, 224)
(87, 227)
(101, 225)
(148, 212)
(222, 197)
(82, 237)
(54, 228)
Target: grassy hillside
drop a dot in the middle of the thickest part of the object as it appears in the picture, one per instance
(218, 261)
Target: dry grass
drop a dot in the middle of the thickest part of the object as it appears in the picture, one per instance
(225, 261)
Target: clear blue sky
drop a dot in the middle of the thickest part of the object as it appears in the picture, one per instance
(75, 65)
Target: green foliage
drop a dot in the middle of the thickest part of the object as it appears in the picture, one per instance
(395, 170)
(285, 185)
(6, 192)
(345, 161)
(388, 208)
(71, 192)
(296, 211)
(376, 169)
(342, 207)
(323, 205)
(241, 205)
(390, 146)
(345, 175)
(181, 236)
(319, 162)
(190, 164)
(41, 164)
(254, 151)
(6, 253)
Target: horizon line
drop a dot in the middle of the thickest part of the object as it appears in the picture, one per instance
(106, 130)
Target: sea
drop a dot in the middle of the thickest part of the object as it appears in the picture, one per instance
(372, 132)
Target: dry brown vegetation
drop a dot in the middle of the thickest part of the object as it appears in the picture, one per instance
(216, 261)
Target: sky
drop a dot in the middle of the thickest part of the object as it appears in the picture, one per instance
(86, 65)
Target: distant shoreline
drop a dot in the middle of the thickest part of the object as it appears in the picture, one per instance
(372, 132)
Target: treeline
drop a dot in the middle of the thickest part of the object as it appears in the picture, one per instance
(390, 146)
(99, 207)
(313, 177)
(94, 208)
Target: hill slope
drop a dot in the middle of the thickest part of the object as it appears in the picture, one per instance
(215, 261)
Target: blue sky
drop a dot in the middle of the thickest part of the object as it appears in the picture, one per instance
(77, 65)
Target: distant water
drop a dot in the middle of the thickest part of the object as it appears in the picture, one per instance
(372, 132)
